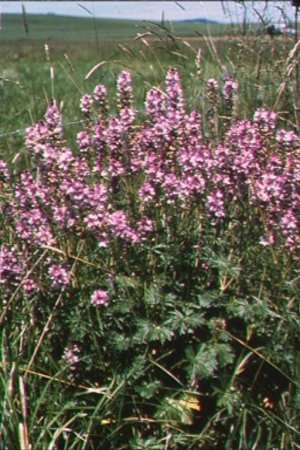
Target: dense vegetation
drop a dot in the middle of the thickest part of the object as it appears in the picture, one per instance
(149, 259)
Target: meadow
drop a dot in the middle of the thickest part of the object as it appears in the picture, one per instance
(149, 236)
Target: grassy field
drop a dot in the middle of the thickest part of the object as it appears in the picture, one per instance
(149, 245)
(75, 45)
(30, 77)
(55, 28)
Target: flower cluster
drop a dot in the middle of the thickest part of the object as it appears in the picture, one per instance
(124, 90)
(59, 276)
(124, 182)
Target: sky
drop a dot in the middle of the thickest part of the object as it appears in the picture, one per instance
(227, 11)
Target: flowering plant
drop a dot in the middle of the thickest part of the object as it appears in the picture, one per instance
(156, 259)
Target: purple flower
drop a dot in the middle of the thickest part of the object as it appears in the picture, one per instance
(93, 221)
(29, 286)
(117, 222)
(124, 90)
(100, 298)
(10, 268)
(146, 192)
(72, 358)
(72, 354)
(63, 216)
(155, 103)
(170, 188)
(145, 226)
(100, 92)
(53, 117)
(265, 119)
(229, 89)
(266, 240)
(287, 139)
(212, 84)
(58, 275)
(215, 206)
(175, 98)
(127, 116)
(83, 141)
(86, 103)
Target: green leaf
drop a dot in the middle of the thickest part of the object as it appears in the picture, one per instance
(206, 299)
(148, 390)
(153, 295)
(185, 321)
(225, 354)
(178, 409)
(149, 332)
(146, 444)
(203, 363)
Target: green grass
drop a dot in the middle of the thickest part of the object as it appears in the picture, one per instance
(57, 28)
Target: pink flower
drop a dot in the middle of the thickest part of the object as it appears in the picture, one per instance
(58, 275)
(124, 90)
(72, 354)
(265, 119)
(86, 103)
(29, 286)
(100, 93)
(100, 298)
(146, 192)
(155, 103)
(10, 269)
(72, 358)
(175, 97)
(230, 87)
(145, 226)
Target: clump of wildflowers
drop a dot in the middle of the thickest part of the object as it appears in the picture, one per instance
(265, 120)
(173, 217)
(168, 156)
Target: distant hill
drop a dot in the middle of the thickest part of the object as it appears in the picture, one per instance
(57, 28)
(200, 20)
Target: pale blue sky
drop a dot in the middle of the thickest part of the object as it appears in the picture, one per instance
(149, 10)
